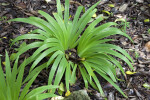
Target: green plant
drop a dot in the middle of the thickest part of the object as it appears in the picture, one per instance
(11, 83)
(70, 47)
(3, 18)
(149, 31)
(124, 24)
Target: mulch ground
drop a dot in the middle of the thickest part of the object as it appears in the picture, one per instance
(137, 15)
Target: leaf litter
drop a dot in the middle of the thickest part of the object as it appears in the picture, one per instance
(136, 13)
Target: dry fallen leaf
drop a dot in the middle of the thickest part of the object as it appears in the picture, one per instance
(147, 46)
(57, 98)
(48, 1)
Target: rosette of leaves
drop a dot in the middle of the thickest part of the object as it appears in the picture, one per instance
(12, 83)
(71, 48)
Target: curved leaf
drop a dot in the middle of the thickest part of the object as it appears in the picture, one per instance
(44, 54)
(29, 36)
(53, 68)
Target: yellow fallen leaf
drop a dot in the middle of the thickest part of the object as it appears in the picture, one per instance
(3, 63)
(67, 93)
(69, 53)
(107, 12)
(5, 37)
(130, 73)
(29, 31)
(146, 85)
(120, 19)
(94, 15)
(111, 5)
(146, 20)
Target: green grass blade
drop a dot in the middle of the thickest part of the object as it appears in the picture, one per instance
(54, 56)
(33, 22)
(73, 75)
(88, 30)
(76, 17)
(98, 85)
(88, 68)
(14, 72)
(43, 96)
(103, 65)
(59, 9)
(118, 55)
(83, 17)
(96, 81)
(8, 69)
(42, 32)
(29, 36)
(116, 62)
(81, 27)
(8, 92)
(35, 71)
(39, 90)
(64, 30)
(26, 88)
(47, 25)
(50, 19)
(87, 13)
(60, 71)
(81, 49)
(104, 26)
(52, 22)
(3, 82)
(84, 77)
(2, 96)
(42, 48)
(111, 31)
(116, 48)
(111, 82)
(89, 78)
(111, 59)
(20, 77)
(51, 40)
(42, 55)
(67, 76)
(66, 15)
(53, 69)
(27, 47)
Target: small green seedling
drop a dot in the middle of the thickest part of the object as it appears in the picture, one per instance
(146, 85)
(149, 31)
(3, 18)
(124, 24)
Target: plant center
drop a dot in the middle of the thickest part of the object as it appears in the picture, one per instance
(72, 55)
